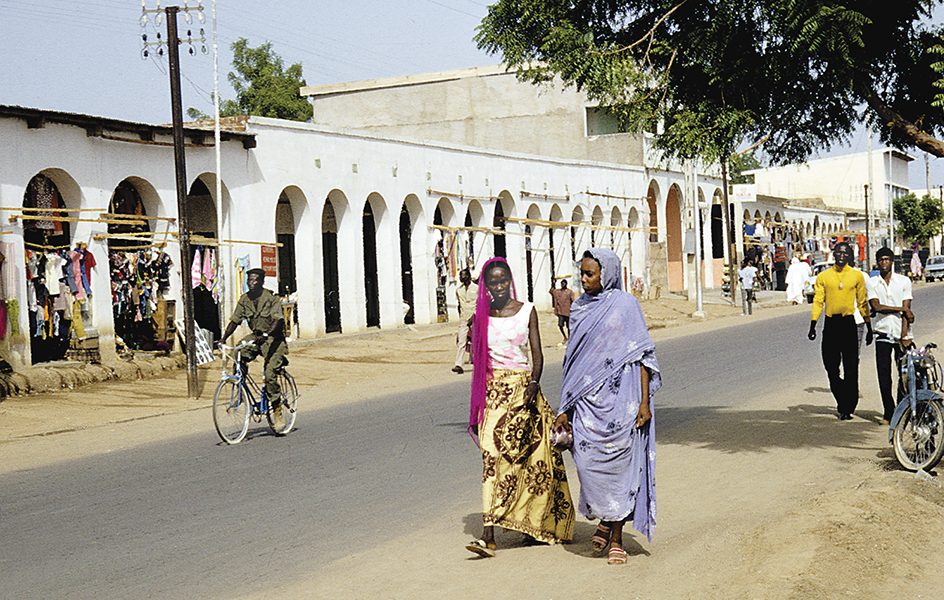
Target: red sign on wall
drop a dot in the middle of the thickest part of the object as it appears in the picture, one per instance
(270, 261)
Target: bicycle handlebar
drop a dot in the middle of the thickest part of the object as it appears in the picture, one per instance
(237, 348)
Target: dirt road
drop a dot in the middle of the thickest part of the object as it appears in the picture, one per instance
(792, 517)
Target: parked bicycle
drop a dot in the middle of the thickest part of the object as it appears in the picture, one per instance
(917, 426)
(235, 400)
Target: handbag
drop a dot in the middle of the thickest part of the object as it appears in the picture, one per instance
(562, 439)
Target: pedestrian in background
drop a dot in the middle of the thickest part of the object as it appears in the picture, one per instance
(797, 274)
(838, 292)
(890, 297)
(747, 276)
(466, 295)
(562, 299)
(610, 376)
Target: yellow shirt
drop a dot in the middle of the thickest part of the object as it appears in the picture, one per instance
(840, 291)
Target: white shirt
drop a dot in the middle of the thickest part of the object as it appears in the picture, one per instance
(893, 293)
(747, 275)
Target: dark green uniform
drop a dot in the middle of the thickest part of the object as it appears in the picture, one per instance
(261, 314)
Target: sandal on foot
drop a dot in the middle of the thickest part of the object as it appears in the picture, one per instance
(601, 538)
(617, 556)
(481, 548)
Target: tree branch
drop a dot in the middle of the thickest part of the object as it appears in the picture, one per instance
(896, 122)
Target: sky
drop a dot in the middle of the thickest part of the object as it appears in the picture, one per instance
(86, 57)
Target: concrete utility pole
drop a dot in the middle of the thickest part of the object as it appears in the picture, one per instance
(691, 191)
(180, 165)
(729, 219)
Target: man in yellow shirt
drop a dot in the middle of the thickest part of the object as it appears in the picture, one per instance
(837, 293)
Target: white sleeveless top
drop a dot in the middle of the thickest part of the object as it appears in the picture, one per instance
(508, 346)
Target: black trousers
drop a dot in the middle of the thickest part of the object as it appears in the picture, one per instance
(840, 347)
(884, 366)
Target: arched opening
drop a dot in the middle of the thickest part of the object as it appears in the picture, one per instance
(673, 234)
(126, 200)
(533, 213)
(637, 240)
(717, 227)
(140, 276)
(285, 235)
(446, 256)
(51, 274)
(329, 254)
(576, 233)
(556, 217)
(371, 287)
(652, 201)
(406, 263)
(595, 221)
(498, 222)
(204, 260)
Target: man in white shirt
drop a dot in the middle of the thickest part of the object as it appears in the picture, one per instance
(890, 298)
(747, 274)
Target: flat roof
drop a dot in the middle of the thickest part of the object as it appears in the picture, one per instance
(37, 118)
(334, 89)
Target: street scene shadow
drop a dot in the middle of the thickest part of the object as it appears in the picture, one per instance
(730, 430)
(579, 545)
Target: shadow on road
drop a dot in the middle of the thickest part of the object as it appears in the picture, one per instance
(795, 427)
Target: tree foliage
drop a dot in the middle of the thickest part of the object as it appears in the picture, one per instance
(739, 163)
(264, 87)
(787, 75)
(918, 220)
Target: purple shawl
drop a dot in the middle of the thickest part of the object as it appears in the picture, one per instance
(607, 331)
(482, 370)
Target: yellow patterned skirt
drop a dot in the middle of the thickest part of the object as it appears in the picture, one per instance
(524, 483)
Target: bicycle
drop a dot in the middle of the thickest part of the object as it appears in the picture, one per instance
(917, 425)
(234, 401)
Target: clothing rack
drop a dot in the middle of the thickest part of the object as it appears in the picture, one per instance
(545, 195)
(59, 210)
(460, 195)
(13, 219)
(125, 217)
(45, 247)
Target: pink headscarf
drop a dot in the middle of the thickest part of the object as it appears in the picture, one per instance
(482, 372)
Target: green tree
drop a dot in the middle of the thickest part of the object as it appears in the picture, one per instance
(918, 220)
(786, 75)
(264, 87)
(741, 162)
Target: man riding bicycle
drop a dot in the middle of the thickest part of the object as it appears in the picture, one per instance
(263, 311)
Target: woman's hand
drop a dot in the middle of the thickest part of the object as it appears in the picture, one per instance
(644, 416)
(562, 423)
(531, 391)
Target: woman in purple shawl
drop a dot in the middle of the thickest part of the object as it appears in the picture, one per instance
(610, 375)
(524, 484)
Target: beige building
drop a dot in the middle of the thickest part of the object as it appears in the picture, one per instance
(840, 181)
(484, 107)
(491, 109)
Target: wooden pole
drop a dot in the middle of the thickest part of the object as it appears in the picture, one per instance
(180, 167)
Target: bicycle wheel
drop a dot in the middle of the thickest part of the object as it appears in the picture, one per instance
(230, 412)
(282, 418)
(919, 441)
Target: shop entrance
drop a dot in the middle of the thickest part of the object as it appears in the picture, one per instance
(56, 276)
(140, 276)
(406, 264)
(329, 252)
(204, 258)
(371, 288)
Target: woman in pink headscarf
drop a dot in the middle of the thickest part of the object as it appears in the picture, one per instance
(524, 484)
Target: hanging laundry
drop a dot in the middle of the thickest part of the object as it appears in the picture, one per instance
(196, 269)
(242, 265)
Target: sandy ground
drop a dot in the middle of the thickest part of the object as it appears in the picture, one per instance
(788, 518)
